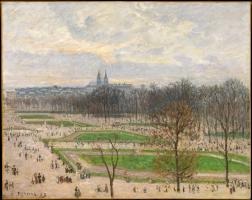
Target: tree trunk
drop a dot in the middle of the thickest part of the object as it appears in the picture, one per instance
(199, 125)
(209, 136)
(215, 127)
(233, 129)
(111, 188)
(226, 158)
(177, 167)
(136, 110)
(104, 110)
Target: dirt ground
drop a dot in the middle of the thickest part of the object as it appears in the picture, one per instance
(23, 187)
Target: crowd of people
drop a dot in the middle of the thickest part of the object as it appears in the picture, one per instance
(38, 178)
(52, 131)
(14, 170)
(8, 185)
(85, 174)
(136, 189)
(39, 158)
(69, 170)
(238, 183)
(64, 179)
(54, 164)
(238, 146)
(31, 149)
(99, 188)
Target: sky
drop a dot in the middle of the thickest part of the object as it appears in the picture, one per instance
(66, 43)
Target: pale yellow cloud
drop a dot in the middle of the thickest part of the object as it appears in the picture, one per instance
(123, 32)
(45, 34)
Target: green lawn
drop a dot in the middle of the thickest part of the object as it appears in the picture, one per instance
(91, 150)
(62, 157)
(230, 155)
(80, 124)
(239, 157)
(59, 123)
(122, 136)
(146, 162)
(35, 116)
(210, 164)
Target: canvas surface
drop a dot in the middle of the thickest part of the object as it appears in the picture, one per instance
(126, 100)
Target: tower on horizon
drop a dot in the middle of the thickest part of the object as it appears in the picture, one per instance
(98, 79)
(105, 79)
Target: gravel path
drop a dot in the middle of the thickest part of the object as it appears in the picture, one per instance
(24, 189)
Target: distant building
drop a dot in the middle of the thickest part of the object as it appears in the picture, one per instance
(98, 80)
(105, 82)
(66, 91)
(10, 97)
(10, 94)
(105, 79)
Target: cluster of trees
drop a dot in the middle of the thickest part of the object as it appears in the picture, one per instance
(222, 107)
(142, 103)
(179, 111)
(175, 122)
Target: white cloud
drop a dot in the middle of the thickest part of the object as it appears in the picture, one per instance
(154, 33)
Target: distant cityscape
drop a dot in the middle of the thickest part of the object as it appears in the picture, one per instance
(69, 91)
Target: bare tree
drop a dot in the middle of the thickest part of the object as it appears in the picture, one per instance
(174, 123)
(226, 111)
(111, 169)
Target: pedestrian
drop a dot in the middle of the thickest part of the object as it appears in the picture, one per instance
(6, 185)
(39, 178)
(106, 188)
(43, 178)
(230, 189)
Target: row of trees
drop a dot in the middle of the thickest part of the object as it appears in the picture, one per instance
(143, 102)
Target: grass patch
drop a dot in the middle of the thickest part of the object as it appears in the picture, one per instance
(122, 136)
(93, 150)
(205, 163)
(80, 124)
(125, 161)
(239, 157)
(63, 123)
(204, 154)
(35, 116)
(63, 158)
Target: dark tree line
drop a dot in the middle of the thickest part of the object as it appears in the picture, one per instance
(206, 102)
